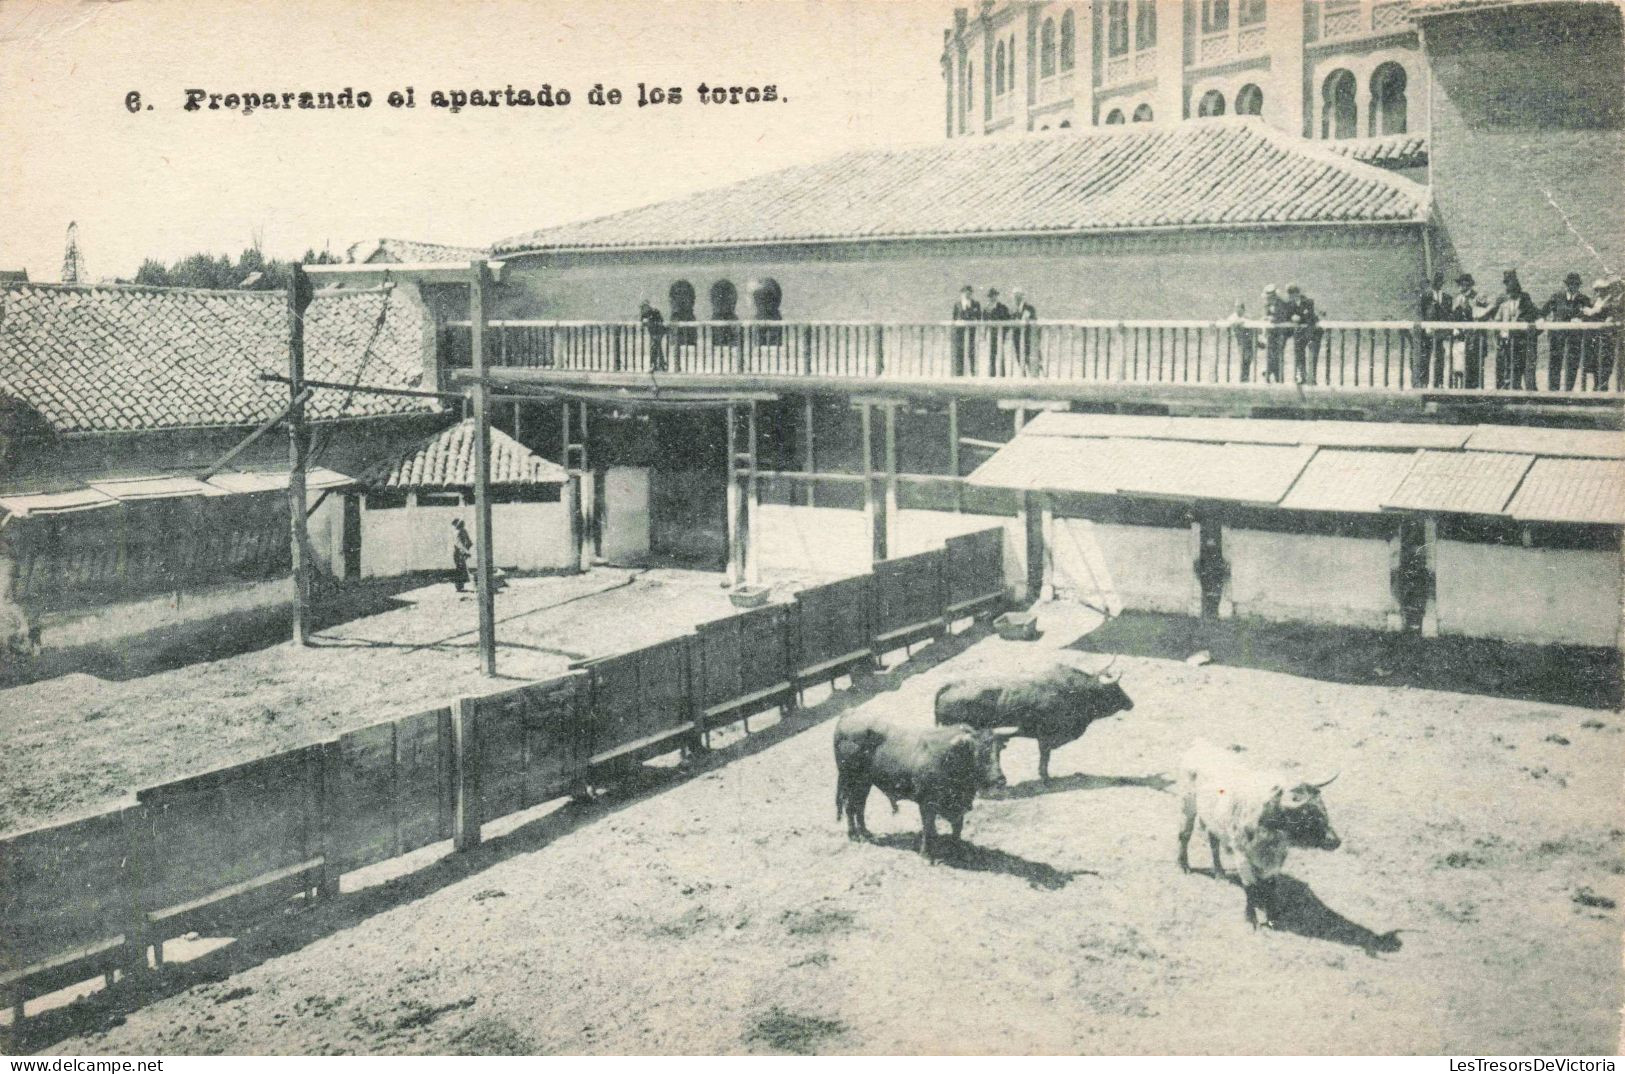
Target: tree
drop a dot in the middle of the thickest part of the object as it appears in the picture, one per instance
(222, 273)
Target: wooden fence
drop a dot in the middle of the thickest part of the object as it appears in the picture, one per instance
(90, 897)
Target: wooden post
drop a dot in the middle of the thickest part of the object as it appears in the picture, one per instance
(736, 559)
(892, 540)
(871, 509)
(573, 485)
(484, 575)
(953, 454)
(811, 457)
(1046, 585)
(330, 762)
(753, 500)
(465, 774)
(299, 296)
(1430, 614)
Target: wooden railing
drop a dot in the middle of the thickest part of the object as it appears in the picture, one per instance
(90, 897)
(1400, 355)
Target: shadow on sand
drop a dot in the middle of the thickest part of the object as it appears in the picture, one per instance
(1295, 908)
(979, 859)
(1080, 781)
(303, 924)
(1558, 674)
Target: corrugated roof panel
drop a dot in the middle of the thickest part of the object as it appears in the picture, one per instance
(1061, 423)
(55, 503)
(155, 488)
(1244, 473)
(318, 477)
(1338, 479)
(1575, 443)
(1571, 490)
(1462, 482)
(1251, 430)
(1053, 464)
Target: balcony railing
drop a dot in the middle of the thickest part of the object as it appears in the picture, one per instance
(1398, 355)
(1004, 106)
(1057, 87)
(1233, 43)
(1130, 67)
(1339, 19)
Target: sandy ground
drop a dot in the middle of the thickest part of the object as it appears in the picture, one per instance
(77, 743)
(721, 908)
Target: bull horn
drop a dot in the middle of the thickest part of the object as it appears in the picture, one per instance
(1006, 732)
(1105, 674)
(1328, 783)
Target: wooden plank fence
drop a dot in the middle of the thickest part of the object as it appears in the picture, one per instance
(92, 896)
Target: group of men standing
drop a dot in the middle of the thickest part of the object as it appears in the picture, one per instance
(1456, 358)
(1019, 341)
(1291, 317)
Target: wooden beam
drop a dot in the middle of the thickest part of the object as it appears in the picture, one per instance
(810, 451)
(365, 389)
(753, 501)
(483, 543)
(736, 559)
(302, 397)
(891, 480)
(953, 453)
(299, 296)
(871, 509)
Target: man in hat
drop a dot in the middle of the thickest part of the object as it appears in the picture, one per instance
(1432, 347)
(1602, 345)
(462, 547)
(995, 310)
(1566, 349)
(1305, 334)
(1468, 306)
(1515, 346)
(1276, 312)
(654, 327)
(1027, 334)
(964, 339)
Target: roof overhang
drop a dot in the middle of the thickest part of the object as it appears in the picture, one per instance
(396, 272)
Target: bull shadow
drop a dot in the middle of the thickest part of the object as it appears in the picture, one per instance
(974, 858)
(1564, 675)
(1294, 907)
(1079, 781)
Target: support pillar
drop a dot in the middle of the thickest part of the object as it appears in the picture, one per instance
(299, 297)
(809, 452)
(753, 500)
(736, 553)
(1430, 615)
(891, 523)
(953, 454)
(871, 507)
(1046, 585)
(484, 568)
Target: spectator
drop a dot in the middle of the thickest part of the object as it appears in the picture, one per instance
(1305, 334)
(964, 339)
(1515, 347)
(996, 343)
(1565, 349)
(1276, 312)
(1469, 346)
(1027, 335)
(462, 547)
(1602, 345)
(654, 327)
(1245, 338)
(1433, 347)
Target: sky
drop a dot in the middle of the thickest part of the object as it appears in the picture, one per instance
(161, 182)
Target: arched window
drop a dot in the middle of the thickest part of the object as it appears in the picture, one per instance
(1046, 49)
(1337, 106)
(1145, 24)
(1215, 16)
(1249, 101)
(1142, 114)
(1388, 105)
(1211, 104)
(1069, 44)
(1114, 117)
(1251, 12)
(998, 70)
(1117, 28)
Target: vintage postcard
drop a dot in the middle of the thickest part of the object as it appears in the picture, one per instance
(490, 491)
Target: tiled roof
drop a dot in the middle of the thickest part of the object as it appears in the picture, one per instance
(1221, 173)
(119, 358)
(405, 251)
(1386, 150)
(1462, 482)
(1571, 490)
(446, 460)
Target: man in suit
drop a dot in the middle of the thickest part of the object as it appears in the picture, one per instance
(964, 339)
(1601, 346)
(997, 343)
(1305, 334)
(1469, 306)
(1566, 349)
(1277, 313)
(654, 327)
(1026, 334)
(1515, 343)
(1432, 347)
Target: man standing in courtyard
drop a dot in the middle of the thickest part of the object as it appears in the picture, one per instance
(462, 547)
